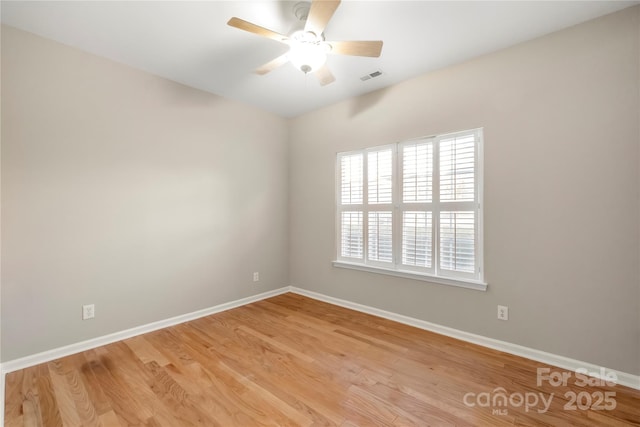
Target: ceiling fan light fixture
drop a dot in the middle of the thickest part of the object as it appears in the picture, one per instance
(308, 51)
(308, 48)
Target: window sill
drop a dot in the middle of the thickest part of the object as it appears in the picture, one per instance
(462, 283)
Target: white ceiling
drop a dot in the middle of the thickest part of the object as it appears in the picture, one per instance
(189, 42)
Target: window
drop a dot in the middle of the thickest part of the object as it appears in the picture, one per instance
(414, 209)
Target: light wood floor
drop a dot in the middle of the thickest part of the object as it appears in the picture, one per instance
(294, 361)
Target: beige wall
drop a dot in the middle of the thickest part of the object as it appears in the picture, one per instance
(562, 137)
(122, 189)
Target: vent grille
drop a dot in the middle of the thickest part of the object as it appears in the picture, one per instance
(371, 75)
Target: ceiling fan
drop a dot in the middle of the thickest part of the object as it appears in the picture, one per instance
(308, 48)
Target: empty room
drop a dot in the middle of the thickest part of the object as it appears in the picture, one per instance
(320, 213)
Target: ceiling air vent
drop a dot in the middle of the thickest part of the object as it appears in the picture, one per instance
(370, 76)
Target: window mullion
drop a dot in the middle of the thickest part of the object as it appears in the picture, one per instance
(397, 199)
(365, 206)
(435, 212)
(478, 199)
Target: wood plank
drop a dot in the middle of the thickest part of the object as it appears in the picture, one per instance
(48, 404)
(121, 397)
(31, 410)
(83, 401)
(293, 361)
(145, 351)
(109, 419)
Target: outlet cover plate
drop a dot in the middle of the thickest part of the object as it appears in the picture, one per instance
(503, 312)
(88, 311)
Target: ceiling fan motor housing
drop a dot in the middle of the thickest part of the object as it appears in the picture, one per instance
(301, 10)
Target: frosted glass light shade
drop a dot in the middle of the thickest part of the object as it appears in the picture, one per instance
(307, 53)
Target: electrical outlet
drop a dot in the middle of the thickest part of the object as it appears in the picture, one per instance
(256, 276)
(88, 311)
(503, 312)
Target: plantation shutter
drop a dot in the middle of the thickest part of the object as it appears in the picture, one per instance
(379, 205)
(457, 168)
(351, 200)
(380, 170)
(417, 172)
(352, 242)
(457, 241)
(351, 179)
(380, 236)
(417, 239)
(413, 207)
(417, 207)
(457, 219)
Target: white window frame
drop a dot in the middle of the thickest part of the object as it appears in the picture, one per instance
(435, 274)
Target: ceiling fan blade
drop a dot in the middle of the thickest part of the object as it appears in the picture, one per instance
(256, 29)
(273, 64)
(320, 13)
(355, 48)
(324, 75)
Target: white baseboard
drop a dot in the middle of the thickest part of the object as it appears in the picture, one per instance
(56, 353)
(625, 379)
(46, 356)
